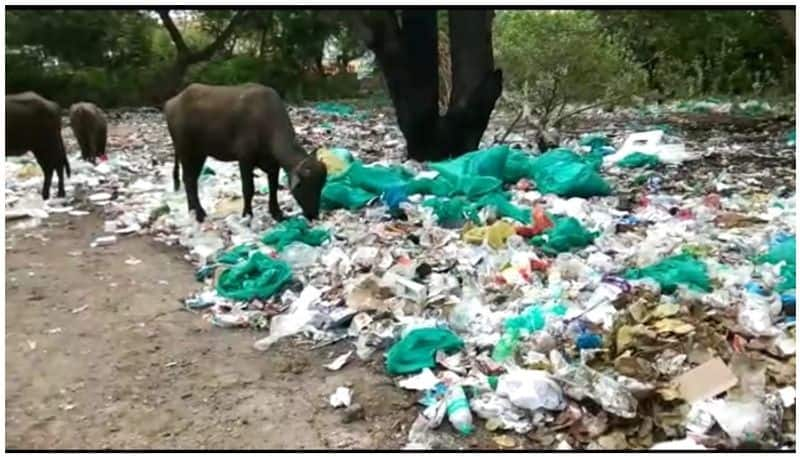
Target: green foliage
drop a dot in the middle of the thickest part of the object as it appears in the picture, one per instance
(236, 70)
(556, 58)
(120, 57)
(82, 37)
(701, 52)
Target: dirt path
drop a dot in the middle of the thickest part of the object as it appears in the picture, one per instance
(99, 354)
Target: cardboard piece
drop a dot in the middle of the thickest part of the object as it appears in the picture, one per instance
(706, 381)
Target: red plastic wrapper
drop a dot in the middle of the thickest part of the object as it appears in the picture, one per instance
(540, 223)
(539, 265)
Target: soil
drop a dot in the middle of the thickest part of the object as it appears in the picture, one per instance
(100, 354)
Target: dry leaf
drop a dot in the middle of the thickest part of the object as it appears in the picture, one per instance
(666, 310)
(505, 441)
(676, 326)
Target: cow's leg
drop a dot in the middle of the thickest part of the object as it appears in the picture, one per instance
(191, 173)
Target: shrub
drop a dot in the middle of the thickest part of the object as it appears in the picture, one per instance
(552, 59)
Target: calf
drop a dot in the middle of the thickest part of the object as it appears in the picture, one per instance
(89, 125)
(246, 123)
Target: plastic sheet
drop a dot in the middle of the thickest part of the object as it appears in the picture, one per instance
(292, 230)
(566, 235)
(674, 271)
(566, 174)
(259, 277)
(638, 160)
(417, 350)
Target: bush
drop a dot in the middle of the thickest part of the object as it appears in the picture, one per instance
(292, 84)
(693, 53)
(556, 58)
(236, 70)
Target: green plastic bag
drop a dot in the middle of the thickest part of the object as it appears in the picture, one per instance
(259, 277)
(476, 173)
(566, 174)
(340, 194)
(338, 109)
(594, 141)
(359, 184)
(518, 165)
(785, 251)
(452, 212)
(675, 270)
(533, 318)
(751, 108)
(566, 234)
(294, 229)
(236, 254)
(428, 186)
(530, 320)
(375, 179)
(505, 208)
(699, 106)
(418, 350)
(791, 138)
(639, 159)
(506, 346)
(483, 162)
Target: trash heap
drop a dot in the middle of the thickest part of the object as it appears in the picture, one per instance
(610, 294)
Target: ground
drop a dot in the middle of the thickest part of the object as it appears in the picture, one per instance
(100, 354)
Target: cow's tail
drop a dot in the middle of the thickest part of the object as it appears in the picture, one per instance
(64, 155)
(176, 178)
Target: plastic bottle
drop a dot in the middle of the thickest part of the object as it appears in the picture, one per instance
(458, 412)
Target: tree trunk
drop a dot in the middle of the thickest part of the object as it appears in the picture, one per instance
(476, 84)
(262, 45)
(408, 57)
(787, 20)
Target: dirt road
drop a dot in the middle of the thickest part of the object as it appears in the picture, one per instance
(100, 354)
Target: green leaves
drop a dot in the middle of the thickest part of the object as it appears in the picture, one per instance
(562, 57)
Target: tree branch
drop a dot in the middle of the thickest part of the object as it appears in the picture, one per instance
(217, 44)
(174, 33)
(511, 127)
(588, 107)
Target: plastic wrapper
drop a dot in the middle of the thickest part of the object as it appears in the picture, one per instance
(581, 381)
(531, 390)
(493, 407)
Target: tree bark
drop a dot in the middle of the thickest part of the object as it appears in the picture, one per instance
(476, 84)
(406, 50)
(787, 21)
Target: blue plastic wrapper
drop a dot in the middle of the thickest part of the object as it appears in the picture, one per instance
(434, 395)
(394, 196)
(589, 341)
(629, 219)
(755, 288)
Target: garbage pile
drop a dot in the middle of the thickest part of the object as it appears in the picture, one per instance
(610, 294)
